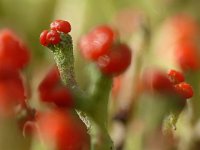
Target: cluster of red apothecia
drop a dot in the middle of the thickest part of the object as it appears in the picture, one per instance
(183, 31)
(180, 86)
(99, 46)
(53, 36)
(171, 83)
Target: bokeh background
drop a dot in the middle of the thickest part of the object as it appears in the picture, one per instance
(145, 26)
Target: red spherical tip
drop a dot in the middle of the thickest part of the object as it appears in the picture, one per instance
(97, 42)
(53, 37)
(175, 77)
(43, 38)
(184, 90)
(116, 61)
(63, 130)
(61, 26)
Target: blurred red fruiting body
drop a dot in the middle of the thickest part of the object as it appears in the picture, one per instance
(184, 90)
(116, 60)
(43, 38)
(175, 76)
(53, 91)
(12, 91)
(61, 26)
(53, 37)
(13, 52)
(185, 30)
(184, 26)
(187, 56)
(64, 130)
(97, 42)
(51, 79)
(157, 81)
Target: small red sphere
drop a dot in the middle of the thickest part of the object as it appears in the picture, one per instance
(61, 26)
(53, 37)
(184, 90)
(43, 38)
(97, 42)
(116, 61)
(175, 77)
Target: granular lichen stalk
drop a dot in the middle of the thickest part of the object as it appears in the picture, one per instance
(63, 55)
